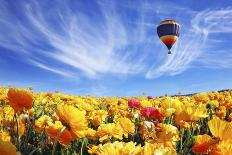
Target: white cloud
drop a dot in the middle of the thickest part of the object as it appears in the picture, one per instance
(108, 42)
(217, 23)
(54, 70)
(76, 40)
(193, 45)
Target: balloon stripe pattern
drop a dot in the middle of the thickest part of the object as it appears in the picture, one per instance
(168, 32)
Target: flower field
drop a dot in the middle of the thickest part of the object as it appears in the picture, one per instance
(56, 123)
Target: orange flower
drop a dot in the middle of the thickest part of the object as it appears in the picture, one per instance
(31, 112)
(53, 129)
(147, 130)
(221, 112)
(182, 124)
(21, 128)
(19, 99)
(230, 117)
(6, 148)
(202, 145)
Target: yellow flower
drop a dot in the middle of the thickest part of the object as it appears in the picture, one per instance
(201, 98)
(6, 115)
(126, 125)
(3, 94)
(158, 149)
(223, 148)
(4, 136)
(91, 134)
(41, 123)
(106, 131)
(98, 117)
(189, 113)
(116, 148)
(146, 103)
(166, 133)
(73, 119)
(171, 104)
(221, 129)
(6, 148)
(83, 105)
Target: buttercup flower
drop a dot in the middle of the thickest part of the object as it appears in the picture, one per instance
(220, 129)
(134, 103)
(116, 148)
(202, 144)
(6, 148)
(41, 123)
(53, 129)
(151, 113)
(73, 119)
(4, 136)
(126, 125)
(149, 97)
(19, 99)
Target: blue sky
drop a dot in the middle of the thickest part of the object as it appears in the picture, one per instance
(107, 47)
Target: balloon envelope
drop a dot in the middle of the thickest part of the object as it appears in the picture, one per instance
(168, 32)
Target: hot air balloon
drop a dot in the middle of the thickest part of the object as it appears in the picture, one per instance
(168, 32)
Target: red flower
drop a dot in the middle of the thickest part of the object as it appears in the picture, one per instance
(152, 113)
(134, 103)
(149, 97)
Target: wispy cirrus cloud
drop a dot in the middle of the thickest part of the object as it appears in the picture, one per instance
(73, 39)
(54, 70)
(193, 45)
(218, 24)
(110, 40)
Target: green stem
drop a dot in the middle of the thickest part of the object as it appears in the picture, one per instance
(31, 153)
(56, 140)
(181, 139)
(82, 144)
(17, 132)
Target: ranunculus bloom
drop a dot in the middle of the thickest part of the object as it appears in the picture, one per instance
(74, 119)
(134, 103)
(151, 113)
(202, 144)
(42, 122)
(4, 136)
(8, 148)
(220, 128)
(149, 97)
(19, 99)
(53, 130)
(126, 125)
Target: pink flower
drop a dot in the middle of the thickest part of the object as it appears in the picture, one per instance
(151, 113)
(149, 97)
(134, 103)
